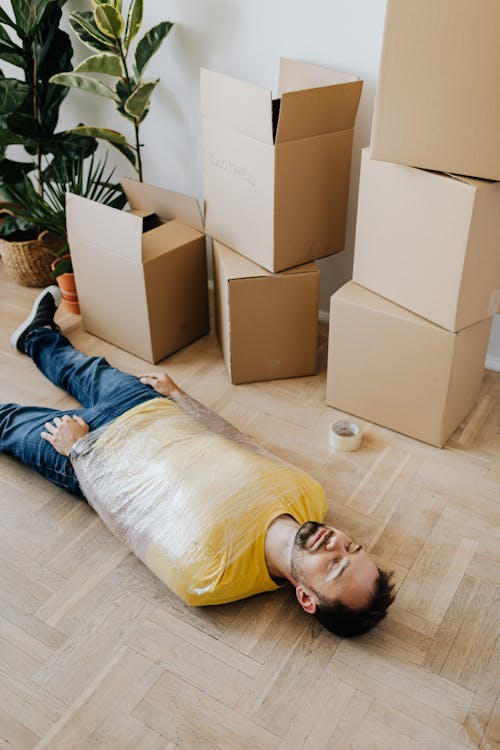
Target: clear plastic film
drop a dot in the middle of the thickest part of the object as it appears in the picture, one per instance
(191, 497)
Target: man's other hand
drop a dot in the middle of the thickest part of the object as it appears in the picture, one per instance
(160, 381)
(64, 432)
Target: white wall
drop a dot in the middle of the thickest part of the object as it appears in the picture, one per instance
(244, 38)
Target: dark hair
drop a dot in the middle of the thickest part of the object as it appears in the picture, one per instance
(347, 622)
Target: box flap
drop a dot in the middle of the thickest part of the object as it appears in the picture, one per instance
(118, 232)
(237, 105)
(165, 203)
(316, 111)
(296, 75)
(236, 266)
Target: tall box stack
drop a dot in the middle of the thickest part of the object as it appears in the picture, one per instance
(409, 334)
(276, 182)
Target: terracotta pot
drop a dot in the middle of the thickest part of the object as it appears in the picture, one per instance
(66, 283)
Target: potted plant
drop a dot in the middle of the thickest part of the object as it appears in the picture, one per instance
(31, 40)
(87, 177)
(105, 31)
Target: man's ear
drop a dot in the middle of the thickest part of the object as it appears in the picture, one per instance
(307, 600)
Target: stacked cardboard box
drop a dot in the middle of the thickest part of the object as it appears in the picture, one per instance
(276, 175)
(408, 336)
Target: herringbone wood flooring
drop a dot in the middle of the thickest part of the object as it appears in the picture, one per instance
(96, 653)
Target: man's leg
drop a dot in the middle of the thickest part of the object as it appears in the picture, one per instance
(91, 380)
(20, 428)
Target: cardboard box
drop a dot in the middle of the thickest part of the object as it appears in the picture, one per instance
(429, 242)
(144, 292)
(437, 104)
(392, 367)
(267, 324)
(276, 173)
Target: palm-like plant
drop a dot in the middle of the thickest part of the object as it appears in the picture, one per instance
(105, 31)
(88, 178)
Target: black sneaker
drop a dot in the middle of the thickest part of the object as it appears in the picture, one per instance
(41, 316)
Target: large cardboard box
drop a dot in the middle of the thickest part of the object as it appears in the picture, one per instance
(267, 324)
(437, 104)
(392, 367)
(144, 292)
(276, 173)
(429, 242)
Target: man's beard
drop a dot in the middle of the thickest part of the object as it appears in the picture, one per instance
(302, 536)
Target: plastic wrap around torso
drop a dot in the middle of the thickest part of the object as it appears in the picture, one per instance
(192, 504)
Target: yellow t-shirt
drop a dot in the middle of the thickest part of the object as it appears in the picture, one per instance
(192, 504)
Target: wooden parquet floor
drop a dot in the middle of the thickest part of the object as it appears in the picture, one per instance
(96, 653)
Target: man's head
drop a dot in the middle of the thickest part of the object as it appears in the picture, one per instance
(337, 581)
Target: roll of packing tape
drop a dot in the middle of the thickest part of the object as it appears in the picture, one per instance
(345, 436)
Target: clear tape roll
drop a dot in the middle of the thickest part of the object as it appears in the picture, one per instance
(345, 436)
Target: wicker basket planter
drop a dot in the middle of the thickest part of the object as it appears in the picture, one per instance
(28, 262)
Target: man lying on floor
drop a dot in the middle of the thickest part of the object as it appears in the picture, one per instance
(213, 516)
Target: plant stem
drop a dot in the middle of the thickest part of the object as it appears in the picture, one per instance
(35, 111)
(138, 167)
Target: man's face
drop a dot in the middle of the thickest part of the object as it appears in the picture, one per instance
(327, 564)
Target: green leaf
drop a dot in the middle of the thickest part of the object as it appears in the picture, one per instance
(113, 136)
(134, 20)
(109, 21)
(7, 138)
(138, 101)
(9, 51)
(12, 94)
(128, 152)
(84, 84)
(63, 266)
(149, 44)
(4, 18)
(83, 25)
(107, 62)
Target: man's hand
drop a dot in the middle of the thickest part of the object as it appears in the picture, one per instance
(161, 382)
(64, 432)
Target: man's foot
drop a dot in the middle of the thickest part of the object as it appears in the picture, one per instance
(41, 316)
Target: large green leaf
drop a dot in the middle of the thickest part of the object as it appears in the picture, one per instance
(11, 171)
(83, 25)
(106, 62)
(137, 102)
(149, 44)
(12, 94)
(109, 21)
(134, 20)
(9, 51)
(30, 14)
(84, 84)
(113, 136)
(8, 138)
(4, 18)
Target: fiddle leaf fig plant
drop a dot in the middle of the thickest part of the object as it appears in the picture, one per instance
(109, 35)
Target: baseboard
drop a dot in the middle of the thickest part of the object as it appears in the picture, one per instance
(492, 363)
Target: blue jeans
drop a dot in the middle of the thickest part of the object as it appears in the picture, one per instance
(104, 392)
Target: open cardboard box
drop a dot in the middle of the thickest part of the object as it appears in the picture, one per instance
(145, 292)
(429, 242)
(267, 324)
(392, 367)
(437, 104)
(276, 172)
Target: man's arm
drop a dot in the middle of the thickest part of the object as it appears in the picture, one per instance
(163, 384)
